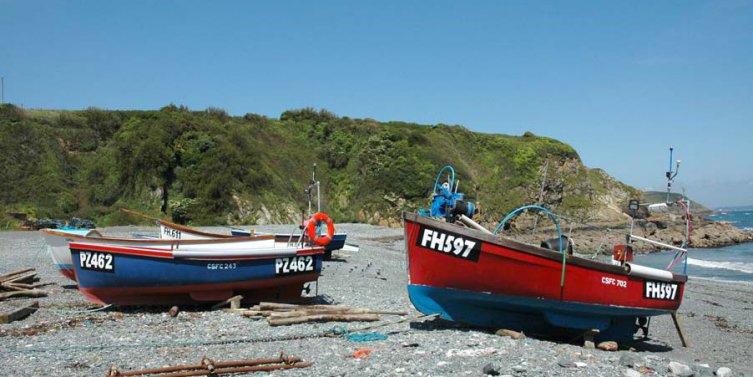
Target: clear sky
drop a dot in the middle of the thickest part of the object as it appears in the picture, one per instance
(619, 81)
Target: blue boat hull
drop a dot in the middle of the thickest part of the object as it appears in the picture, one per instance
(530, 315)
(148, 280)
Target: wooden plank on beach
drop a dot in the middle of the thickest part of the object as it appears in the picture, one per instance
(235, 303)
(20, 313)
(324, 318)
(15, 274)
(679, 330)
(26, 293)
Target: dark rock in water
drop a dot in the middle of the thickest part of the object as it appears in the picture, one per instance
(490, 369)
(680, 369)
(629, 360)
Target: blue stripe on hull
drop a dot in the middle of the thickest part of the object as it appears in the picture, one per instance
(536, 316)
(140, 271)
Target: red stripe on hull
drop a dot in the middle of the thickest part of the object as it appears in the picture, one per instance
(279, 288)
(69, 273)
(506, 271)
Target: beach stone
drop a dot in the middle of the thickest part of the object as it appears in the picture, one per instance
(490, 369)
(680, 369)
(703, 370)
(566, 362)
(629, 372)
(629, 360)
(519, 368)
(723, 372)
(608, 346)
(512, 334)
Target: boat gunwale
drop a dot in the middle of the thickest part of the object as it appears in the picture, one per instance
(525, 248)
(160, 241)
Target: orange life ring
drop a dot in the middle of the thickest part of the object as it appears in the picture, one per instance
(314, 222)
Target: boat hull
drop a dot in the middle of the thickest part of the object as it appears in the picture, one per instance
(109, 274)
(337, 243)
(57, 248)
(493, 282)
(58, 244)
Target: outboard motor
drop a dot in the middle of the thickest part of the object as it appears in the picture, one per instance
(449, 204)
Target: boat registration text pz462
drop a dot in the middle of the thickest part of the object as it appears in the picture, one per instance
(294, 265)
(96, 261)
(449, 243)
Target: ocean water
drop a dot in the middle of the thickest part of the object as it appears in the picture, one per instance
(731, 263)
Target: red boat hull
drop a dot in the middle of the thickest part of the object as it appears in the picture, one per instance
(448, 260)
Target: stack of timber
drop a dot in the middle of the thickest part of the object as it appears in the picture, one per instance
(21, 283)
(278, 314)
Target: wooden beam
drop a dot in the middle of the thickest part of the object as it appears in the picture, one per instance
(324, 318)
(235, 303)
(20, 313)
(676, 320)
(14, 274)
(27, 293)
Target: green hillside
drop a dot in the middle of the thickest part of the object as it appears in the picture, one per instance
(206, 167)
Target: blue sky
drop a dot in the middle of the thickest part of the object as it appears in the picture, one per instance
(619, 81)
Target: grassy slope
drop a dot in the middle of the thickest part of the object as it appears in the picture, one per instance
(221, 169)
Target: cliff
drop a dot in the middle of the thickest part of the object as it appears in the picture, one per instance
(207, 167)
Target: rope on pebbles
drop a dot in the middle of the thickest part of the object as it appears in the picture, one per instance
(337, 331)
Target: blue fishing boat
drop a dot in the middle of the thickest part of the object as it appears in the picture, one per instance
(128, 275)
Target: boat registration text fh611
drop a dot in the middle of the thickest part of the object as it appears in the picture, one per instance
(449, 243)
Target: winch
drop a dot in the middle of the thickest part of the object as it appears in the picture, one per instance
(447, 202)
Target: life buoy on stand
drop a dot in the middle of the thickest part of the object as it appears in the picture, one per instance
(313, 224)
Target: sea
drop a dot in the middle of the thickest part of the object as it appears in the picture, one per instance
(731, 263)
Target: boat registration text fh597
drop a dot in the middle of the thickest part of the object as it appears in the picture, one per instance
(659, 290)
(449, 243)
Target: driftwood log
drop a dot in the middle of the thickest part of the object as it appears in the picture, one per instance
(23, 293)
(287, 314)
(323, 318)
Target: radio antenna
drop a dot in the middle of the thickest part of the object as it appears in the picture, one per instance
(670, 174)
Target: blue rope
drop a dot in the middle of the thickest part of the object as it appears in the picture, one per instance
(556, 225)
(368, 337)
(452, 178)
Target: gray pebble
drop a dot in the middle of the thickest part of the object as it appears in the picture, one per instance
(629, 359)
(680, 369)
(723, 372)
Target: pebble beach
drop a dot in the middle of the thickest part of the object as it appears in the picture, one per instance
(67, 337)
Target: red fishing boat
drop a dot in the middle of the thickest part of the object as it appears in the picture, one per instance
(466, 273)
